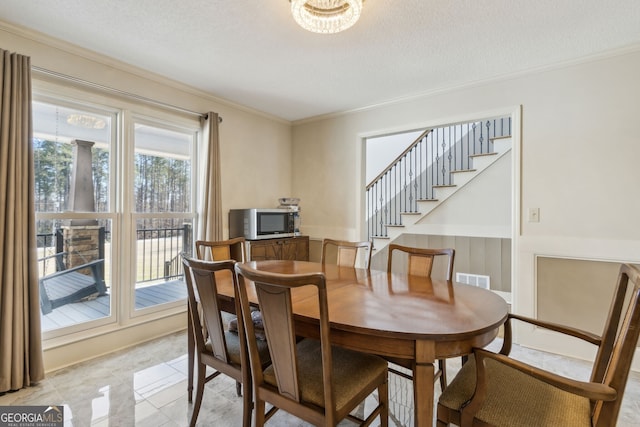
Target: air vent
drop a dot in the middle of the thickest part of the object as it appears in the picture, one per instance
(474, 279)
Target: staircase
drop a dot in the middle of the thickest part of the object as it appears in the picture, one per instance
(437, 165)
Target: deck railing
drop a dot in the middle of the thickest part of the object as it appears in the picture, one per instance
(427, 163)
(158, 251)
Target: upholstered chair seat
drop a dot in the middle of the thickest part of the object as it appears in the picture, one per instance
(351, 372)
(233, 348)
(546, 404)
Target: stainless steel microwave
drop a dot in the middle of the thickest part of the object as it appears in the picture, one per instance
(254, 224)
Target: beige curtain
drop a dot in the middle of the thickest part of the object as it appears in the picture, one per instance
(21, 362)
(211, 224)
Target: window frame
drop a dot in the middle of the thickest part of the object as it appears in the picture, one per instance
(133, 215)
(122, 301)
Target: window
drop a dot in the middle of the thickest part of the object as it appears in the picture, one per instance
(114, 211)
(162, 206)
(73, 148)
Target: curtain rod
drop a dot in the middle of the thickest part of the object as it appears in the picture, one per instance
(118, 92)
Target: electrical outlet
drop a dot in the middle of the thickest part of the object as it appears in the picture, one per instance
(534, 214)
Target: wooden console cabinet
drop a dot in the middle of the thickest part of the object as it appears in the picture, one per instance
(289, 248)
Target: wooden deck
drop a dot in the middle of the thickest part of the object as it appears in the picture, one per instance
(85, 311)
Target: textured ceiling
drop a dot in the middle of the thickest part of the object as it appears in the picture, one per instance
(252, 53)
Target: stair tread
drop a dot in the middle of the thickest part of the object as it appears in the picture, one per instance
(482, 155)
(464, 170)
(445, 186)
(499, 137)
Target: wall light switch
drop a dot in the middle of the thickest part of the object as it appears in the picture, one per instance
(534, 214)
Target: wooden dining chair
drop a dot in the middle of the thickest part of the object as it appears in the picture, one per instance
(494, 389)
(216, 347)
(421, 260)
(210, 250)
(420, 263)
(347, 252)
(222, 250)
(308, 378)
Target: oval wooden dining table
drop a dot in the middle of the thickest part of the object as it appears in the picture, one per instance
(394, 315)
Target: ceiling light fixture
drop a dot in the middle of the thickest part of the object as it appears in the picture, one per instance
(86, 121)
(326, 16)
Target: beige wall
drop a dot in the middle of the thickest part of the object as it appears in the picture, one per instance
(579, 146)
(586, 284)
(574, 159)
(256, 163)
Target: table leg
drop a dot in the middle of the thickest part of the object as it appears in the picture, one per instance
(423, 378)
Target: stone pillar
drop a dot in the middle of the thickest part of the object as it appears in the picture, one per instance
(81, 236)
(82, 243)
(82, 194)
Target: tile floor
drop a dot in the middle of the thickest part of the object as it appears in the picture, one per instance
(146, 386)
